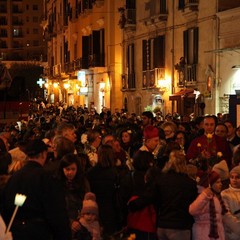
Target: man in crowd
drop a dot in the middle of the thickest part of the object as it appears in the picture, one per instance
(43, 214)
(209, 144)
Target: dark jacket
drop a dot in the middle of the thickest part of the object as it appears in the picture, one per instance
(103, 182)
(172, 193)
(43, 216)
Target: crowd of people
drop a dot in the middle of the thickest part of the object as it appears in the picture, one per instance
(120, 176)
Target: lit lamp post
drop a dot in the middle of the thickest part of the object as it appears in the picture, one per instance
(66, 87)
(102, 90)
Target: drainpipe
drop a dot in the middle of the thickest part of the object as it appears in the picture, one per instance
(173, 49)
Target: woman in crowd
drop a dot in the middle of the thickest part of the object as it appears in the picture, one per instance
(172, 191)
(132, 185)
(103, 179)
(231, 197)
(75, 185)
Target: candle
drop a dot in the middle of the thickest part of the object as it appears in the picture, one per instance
(19, 201)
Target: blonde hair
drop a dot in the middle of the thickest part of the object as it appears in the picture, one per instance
(15, 166)
(176, 162)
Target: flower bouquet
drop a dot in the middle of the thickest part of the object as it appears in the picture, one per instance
(208, 156)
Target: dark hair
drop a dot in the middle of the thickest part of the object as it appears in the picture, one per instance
(142, 160)
(148, 114)
(222, 124)
(79, 181)
(106, 156)
(213, 117)
(92, 135)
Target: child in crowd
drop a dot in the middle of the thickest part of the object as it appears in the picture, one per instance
(208, 209)
(231, 197)
(89, 227)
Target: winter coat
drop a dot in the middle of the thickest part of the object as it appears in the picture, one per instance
(199, 209)
(104, 184)
(231, 197)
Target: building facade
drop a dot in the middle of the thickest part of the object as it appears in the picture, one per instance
(21, 37)
(164, 55)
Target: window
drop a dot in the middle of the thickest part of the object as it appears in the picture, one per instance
(16, 32)
(35, 19)
(3, 21)
(130, 65)
(35, 7)
(98, 48)
(191, 45)
(27, 19)
(27, 7)
(35, 30)
(35, 43)
(190, 38)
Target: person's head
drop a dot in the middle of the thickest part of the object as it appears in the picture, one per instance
(209, 124)
(106, 156)
(62, 146)
(236, 155)
(67, 130)
(231, 128)
(176, 162)
(151, 137)
(126, 136)
(94, 138)
(169, 129)
(147, 118)
(36, 150)
(238, 131)
(221, 130)
(90, 208)
(69, 166)
(235, 177)
(108, 140)
(222, 169)
(212, 180)
(180, 138)
(143, 160)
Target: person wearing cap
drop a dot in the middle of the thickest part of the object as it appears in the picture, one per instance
(89, 227)
(43, 214)
(210, 212)
(231, 197)
(151, 139)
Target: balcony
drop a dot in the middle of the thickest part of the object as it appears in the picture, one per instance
(130, 19)
(191, 75)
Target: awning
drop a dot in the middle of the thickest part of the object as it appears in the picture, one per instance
(187, 93)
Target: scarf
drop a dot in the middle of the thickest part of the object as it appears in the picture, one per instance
(213, 219)
(93, 228)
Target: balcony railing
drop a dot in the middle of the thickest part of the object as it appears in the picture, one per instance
(190, 75)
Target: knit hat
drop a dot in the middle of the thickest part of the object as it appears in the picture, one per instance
(222, 169)
(209, 179)
(150, 132)
(89, 204)
(236, 170)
